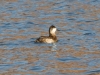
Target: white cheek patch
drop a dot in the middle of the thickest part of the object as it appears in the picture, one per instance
(53, 30)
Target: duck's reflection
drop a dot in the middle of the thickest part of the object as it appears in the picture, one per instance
(54, 47)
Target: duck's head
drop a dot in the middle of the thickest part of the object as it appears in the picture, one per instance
(52, 30)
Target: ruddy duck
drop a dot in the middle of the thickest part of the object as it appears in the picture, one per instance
(49, 39)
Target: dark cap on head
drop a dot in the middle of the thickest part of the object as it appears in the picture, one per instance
(52, 26)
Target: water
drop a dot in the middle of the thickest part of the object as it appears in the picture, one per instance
(77, 51)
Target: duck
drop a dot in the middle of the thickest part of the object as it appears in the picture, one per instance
(48, 39)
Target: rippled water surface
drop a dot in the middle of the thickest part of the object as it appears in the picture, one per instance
(76, 53)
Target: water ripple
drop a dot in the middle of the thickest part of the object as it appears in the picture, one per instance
(37, 68)
(68, 59)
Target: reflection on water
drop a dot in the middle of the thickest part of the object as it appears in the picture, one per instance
(54, 47)
(76, 53)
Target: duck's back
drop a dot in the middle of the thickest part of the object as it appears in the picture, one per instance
(45, 39)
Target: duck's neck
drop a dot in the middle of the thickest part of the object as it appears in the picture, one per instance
(53, 36)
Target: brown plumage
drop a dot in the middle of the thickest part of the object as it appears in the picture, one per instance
(49, 39)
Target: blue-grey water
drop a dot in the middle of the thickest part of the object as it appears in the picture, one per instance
(77, 51)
